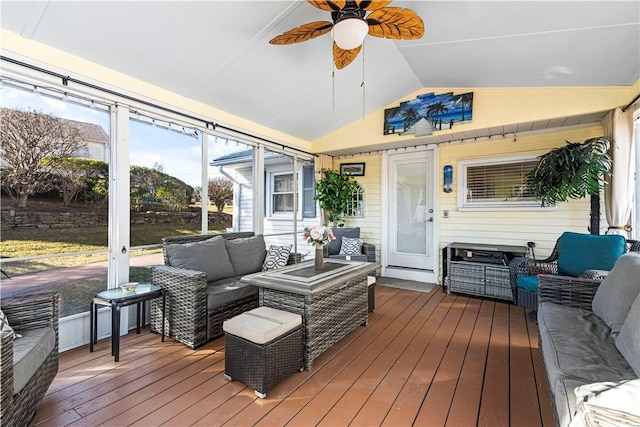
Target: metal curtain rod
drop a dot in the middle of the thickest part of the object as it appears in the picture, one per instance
(626, 107)
(207, 123)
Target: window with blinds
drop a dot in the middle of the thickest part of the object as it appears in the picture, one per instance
(496, 183)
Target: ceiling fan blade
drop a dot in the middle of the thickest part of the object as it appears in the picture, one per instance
(303, 33)
(328, 5)
(395, 23)
(343, 57)
(372, 4)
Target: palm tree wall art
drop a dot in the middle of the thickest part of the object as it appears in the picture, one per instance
(428, 113)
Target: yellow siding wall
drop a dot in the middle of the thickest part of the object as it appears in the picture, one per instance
(511, 227)
(371, 183)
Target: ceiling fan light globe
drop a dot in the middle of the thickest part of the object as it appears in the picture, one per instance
(349, 33)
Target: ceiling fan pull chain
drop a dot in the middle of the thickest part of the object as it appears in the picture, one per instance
(362, 84)
(333, 91)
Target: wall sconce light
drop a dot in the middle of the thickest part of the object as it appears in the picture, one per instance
(448, 179)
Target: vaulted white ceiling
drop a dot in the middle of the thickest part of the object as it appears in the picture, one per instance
(217, 52)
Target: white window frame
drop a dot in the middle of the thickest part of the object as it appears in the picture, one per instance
(272, 177)
(498, 205)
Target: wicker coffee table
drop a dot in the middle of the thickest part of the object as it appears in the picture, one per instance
(332, 301)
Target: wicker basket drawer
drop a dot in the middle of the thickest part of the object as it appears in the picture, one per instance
(466, 287)
(497, 282)
(467, 272)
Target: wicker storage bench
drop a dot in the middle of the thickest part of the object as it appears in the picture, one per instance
(263, 347)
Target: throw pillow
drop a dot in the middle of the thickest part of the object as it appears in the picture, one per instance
(209, 256)
(335, 245)
(628, 342)
(351, 246)
(618, 291)
(579, 252)
(4, 325)
(246, 254)
(277, 257)
(607, 403)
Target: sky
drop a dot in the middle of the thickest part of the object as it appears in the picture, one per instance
(178, 154)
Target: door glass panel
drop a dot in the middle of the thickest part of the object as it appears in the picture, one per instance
(411, 208)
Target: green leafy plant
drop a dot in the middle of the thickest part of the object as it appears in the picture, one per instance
(573, 172)
(333, 192)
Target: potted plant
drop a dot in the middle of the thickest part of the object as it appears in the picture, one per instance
(573, 172)
(334, 192)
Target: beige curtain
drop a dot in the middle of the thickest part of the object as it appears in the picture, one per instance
(322, 161)
(618, 193)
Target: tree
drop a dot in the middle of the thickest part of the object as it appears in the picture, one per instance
(410, 116)
(334, 192)
(436, 109)
(150, 188)
(573, 172)
(73, 175)
(220, 192)
(33, 143)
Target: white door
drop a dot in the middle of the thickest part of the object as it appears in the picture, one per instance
(411, 211)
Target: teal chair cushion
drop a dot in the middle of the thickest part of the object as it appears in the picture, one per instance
(529, 283)
(579, 252)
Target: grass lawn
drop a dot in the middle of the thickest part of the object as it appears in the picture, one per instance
(23, 242)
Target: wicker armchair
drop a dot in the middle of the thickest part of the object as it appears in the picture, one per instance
(188, 319)
(333, 248)
(26, 313)
(529, 267)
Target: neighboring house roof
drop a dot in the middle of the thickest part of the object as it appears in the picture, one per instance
(90, 132)
(244, 157)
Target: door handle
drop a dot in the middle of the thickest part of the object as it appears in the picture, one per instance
(430, 219)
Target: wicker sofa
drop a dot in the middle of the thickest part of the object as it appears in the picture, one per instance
(201, 280)
(28, 363)
(590, 343)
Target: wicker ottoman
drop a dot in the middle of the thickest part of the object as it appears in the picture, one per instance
(263, 347)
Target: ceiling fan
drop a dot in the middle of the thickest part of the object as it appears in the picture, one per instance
(349, 26)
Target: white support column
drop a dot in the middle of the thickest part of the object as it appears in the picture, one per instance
(258, 189)
(119, 216)
(296, 191)
(204, 193)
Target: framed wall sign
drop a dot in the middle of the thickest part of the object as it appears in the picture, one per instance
(353, 169)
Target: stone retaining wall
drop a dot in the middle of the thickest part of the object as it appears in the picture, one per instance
(13, 218)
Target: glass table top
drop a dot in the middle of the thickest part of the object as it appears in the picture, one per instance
(118, 293)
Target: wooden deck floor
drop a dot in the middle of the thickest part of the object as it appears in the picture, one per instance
(426, 359)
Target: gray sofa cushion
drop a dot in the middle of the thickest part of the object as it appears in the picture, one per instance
(209, 256)
(628, 342)
(335, 245)
(247, 254)
(29, 353)
(225, 291)
(577, 349)
(618, 291)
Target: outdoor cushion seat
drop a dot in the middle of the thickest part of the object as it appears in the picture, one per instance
(225, 291)
(29, 353)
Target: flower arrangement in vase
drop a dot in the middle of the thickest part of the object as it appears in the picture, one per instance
(318, 236)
